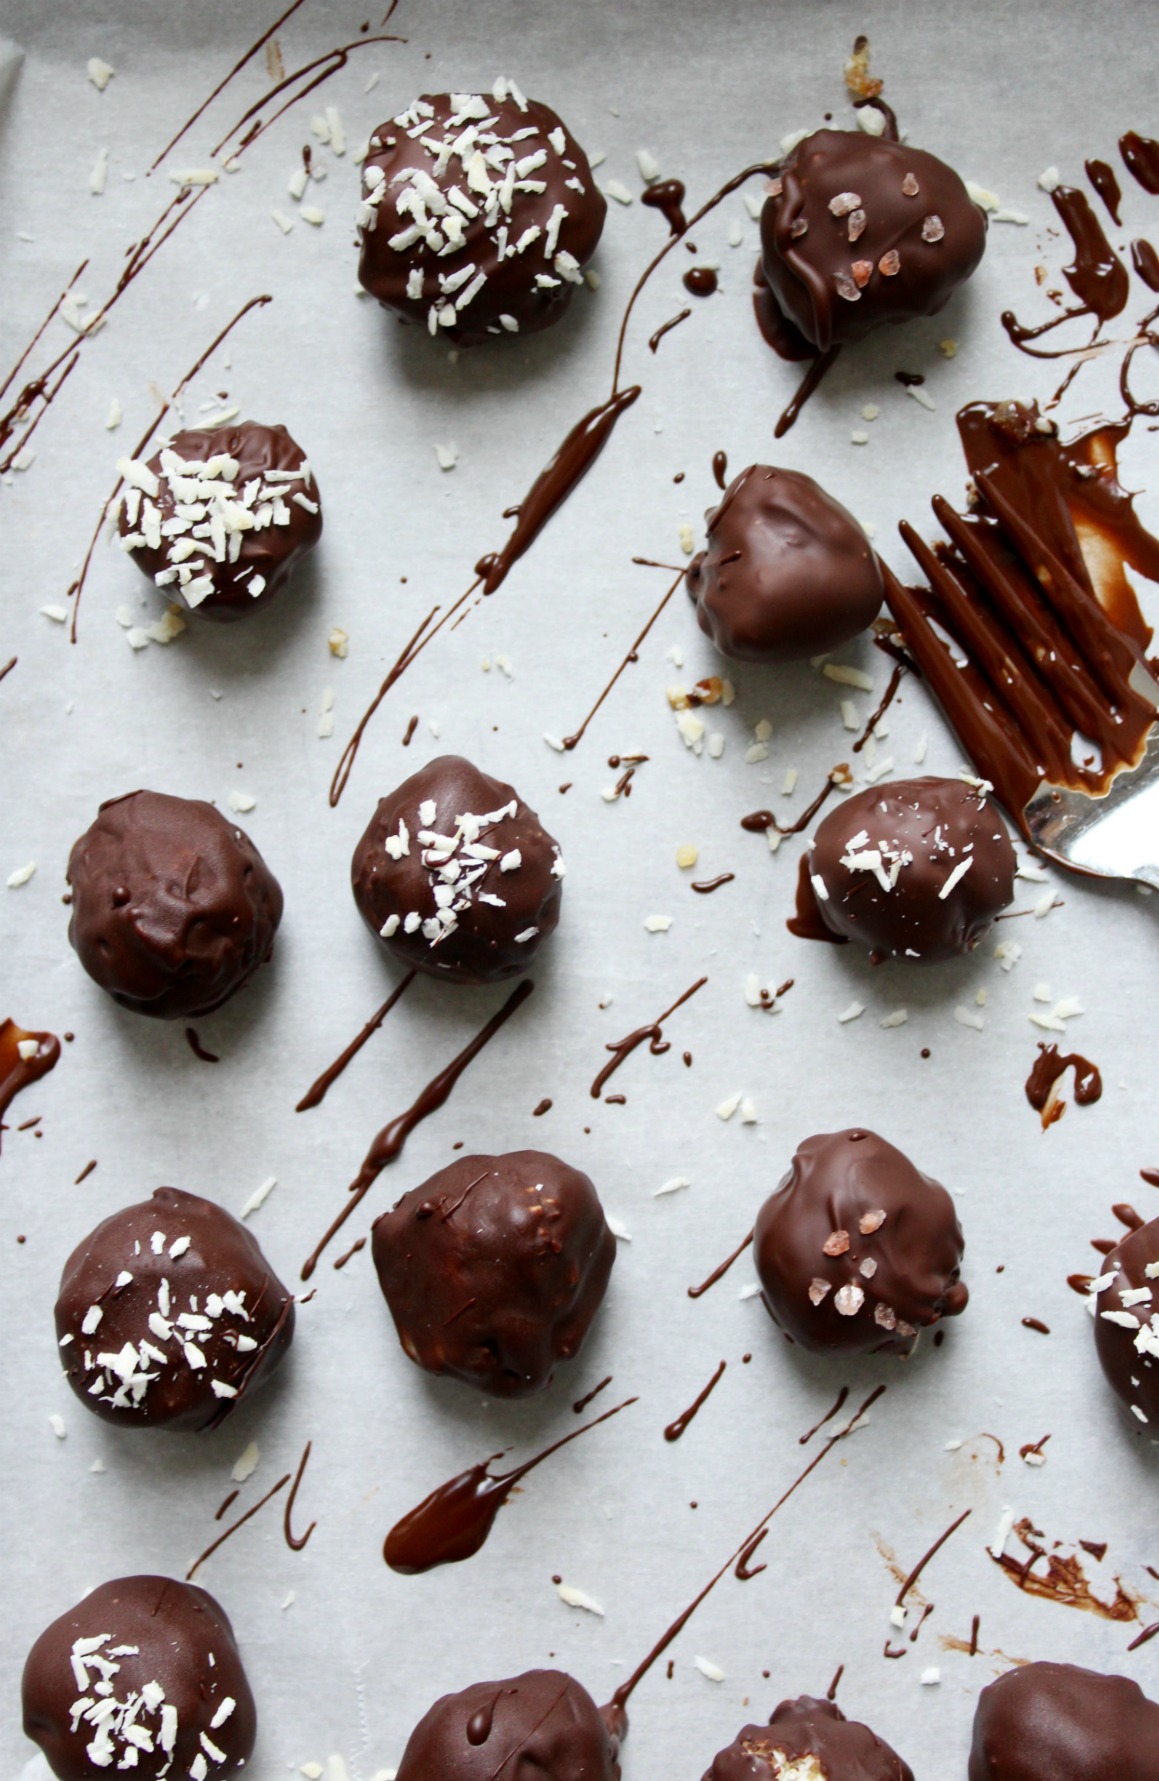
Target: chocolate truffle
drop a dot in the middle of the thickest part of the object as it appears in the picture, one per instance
(169, 1314)
(457, 875)
(479, 213)
(856, 1250)
(808, 1740)
(144, 1674)
(220, 516)
(787, 572)
(857, 231)
(1127, 1324)
(494, 1269)
(915, 870)
(1056, 1722)
(173, 907)
(541, 1726)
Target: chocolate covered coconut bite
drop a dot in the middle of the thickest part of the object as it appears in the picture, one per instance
(219, 518)
(169, 1314)
(457, 876)
(857, 1251)
(858, 231)
(479, 213)
(173, 907)
(495, 1268)
(808, 1740)
(1127, 1324)
(915, 870)
(142, 1675)
(540, 1724)
(786, 572)
(1056, 1722)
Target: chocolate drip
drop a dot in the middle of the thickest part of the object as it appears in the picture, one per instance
(632, 655)
(653, 1034)
(1063, 1579)
(705, 885)
(675, 1429)
(317, 1091)
(1145, 261)
(744, 1570)
(296, 1541)
(1049, 1066)
(1128, 1216)
(1096, 275)
(1150, 1176)
(388, 1144)
(198, 1050)
(453, 1522)
(1036, 1324)
(673, 321)
(581, 1404)
(1141, 159)
(667, 196)
(17, 1072)
(804, 390)
(807, 922)
(700, 281)
(924, 1560)
(1102, 177)
(719, 1272)
(234, 1526)
(720, 469)
(803, 1440)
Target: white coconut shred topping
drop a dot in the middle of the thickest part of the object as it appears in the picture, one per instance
(474, 176)
(196, 512)
(144, 1723)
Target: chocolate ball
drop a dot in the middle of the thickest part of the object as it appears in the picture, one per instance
(856, 1250)
(457, 876)
(494, 1269)
(479, 213)
(817, 1736)
(169, 1314)
(857, 231)
(219, 517)
(540, 1725)
(1056, 1722)
(144, 1674)
(1127, 1324)
(787, 572)
(915, 870)
(173, 907)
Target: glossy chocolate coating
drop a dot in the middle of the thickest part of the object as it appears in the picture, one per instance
(833, 288)
(787, 572)
(1056, 1722)
(840, 1749)
(173, 907)
(169, 1314)
(494, 1269)
(151, 1636)
(277, 519)
(856, 1250)
(461, 241)
(498, 907)
(541, 1726)
(1127, 1334)
(914, 834)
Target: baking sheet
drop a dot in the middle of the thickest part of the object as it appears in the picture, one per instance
(351, 1663)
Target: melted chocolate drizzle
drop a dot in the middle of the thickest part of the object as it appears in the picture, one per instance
(653, 1034)
(1049, 1066)
(673, 321)
(198, 1049)
(1063, 1580)
(317, 1091)
(1141, 159)
(676, 1428)
(834, 1409)
(18, 1072)
(296, 1541)
(924, 1560)
(667, 196)
(453, 1522)
(719, 1272)
(1102, 177)
(570, 742)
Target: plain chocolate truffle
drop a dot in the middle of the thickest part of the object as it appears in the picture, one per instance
(815, 1735)
(479, 213)
(219, 517)
(916, 869)
(541, 1726)
(1056, 1722)
(1127, 1324)
(856, 1250)
(173, 907)
(169, 1314)
(857, 231)
(786, 573)
(457, 876)
(494, 1269)
(143, 1675)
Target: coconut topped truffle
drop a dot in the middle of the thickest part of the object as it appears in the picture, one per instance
(495, 1268)
(169, 1314)
(1056, 1722)
(479, 213)
(915, 870)
(219, 517)
(541, 1724)
(786, 573)
(457, 875)
(858, 231)
(173, 907)
(857, 1251)
(1127, 1324)
(808, 1740)
(142, 1675)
